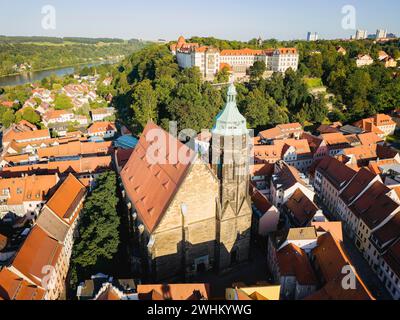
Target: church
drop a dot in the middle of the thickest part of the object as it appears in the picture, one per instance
(189, 215)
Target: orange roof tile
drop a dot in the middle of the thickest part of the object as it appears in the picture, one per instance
(28, 188)
(302, 208)
(75, 148)
(179, 292)
(151, 186)
(331, 258)
(293, 261)
(242, 52)
(83, 165)
(99, 127)
(335, 171)
(38, 250)
(333, 227)
(67, 198)
(13, 287)
(369, 138)
(359, 182)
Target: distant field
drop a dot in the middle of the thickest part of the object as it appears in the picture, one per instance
(313, 83)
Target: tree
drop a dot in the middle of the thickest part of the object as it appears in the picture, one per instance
(8, 118)
(144, 104)
(257, 70)
(63, 102)
(99, 238)
(30, 115)
(256, 108)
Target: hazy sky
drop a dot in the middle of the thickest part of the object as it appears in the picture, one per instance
(167, 19)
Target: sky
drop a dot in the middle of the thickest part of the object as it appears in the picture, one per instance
(168, 19)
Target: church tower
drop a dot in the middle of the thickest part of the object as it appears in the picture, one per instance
(230, 162)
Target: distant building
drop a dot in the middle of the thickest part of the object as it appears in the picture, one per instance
(312, 36)
(361, 34)
(381, 34)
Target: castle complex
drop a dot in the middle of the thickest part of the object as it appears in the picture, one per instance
(211, 60)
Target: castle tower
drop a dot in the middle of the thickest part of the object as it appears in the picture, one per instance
(230, 162)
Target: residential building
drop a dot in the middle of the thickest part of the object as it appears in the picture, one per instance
(59, 217)
(330, 178)
(381, 124)
(14, 287)
(24, 196)
(301, 211)
(285, 181)
(332, 265)
(281, 132)
(102, 114)
(341, 50)
(364, 60)
(105, 130)
(57, 116)
(46, 270)
(265, 215)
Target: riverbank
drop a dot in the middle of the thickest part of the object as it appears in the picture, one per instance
(35, 76)
(60, 67)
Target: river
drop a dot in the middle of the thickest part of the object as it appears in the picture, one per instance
(34, 76)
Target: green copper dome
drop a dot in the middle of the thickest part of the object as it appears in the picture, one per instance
(230, 122)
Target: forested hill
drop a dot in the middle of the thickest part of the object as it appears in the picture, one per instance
(36, 53)
(150, 85)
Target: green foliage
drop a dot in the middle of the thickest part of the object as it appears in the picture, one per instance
(144, 104)
(257, 70)
(8, 118)
(29, 114)
(43, 53)
(62, 102)
(98, 230)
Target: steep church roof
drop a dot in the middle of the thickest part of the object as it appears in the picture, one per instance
(230, 122)
(152, 176)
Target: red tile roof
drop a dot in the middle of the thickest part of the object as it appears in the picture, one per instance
(333, 227)
(13, 287)
(359, 182)
(302, 208)
(149, 184)
(99, 127)
(67, 198)
(179, 292)
(335, 171)
(260, 201)
(374, 206)
(293, 261)
(331, 258)
(38, 250)
(83, 165)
